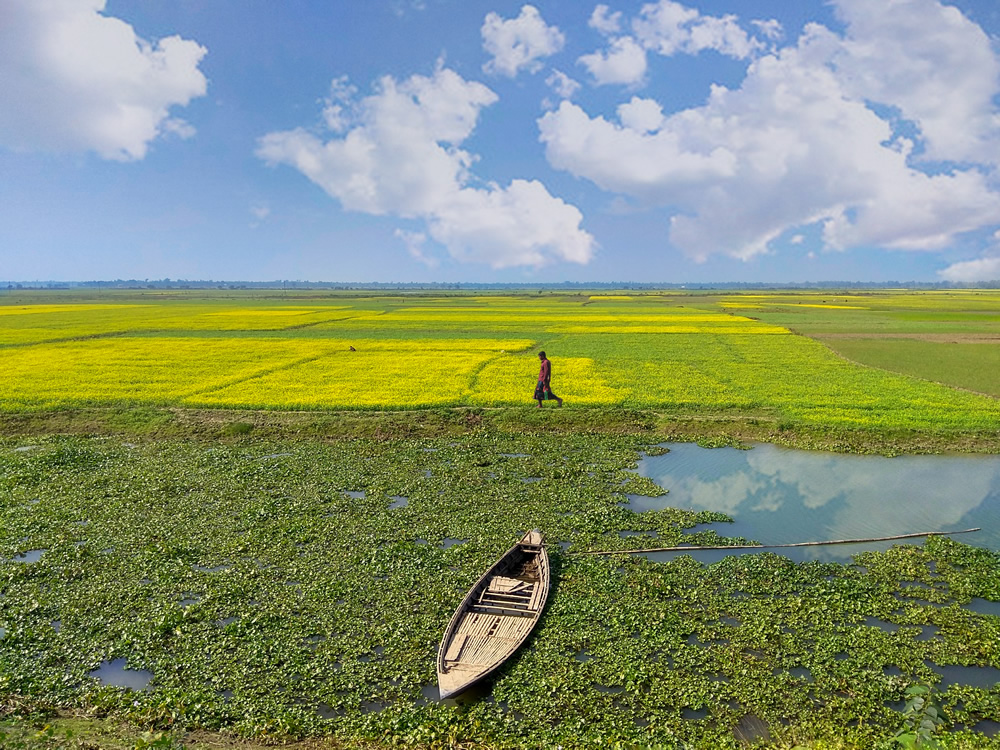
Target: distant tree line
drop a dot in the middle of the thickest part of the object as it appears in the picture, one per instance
(484, 286)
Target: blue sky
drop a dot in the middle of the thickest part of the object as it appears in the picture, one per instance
(437, 140)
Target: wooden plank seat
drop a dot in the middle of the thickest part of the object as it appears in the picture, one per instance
(509, 593)
(496, 609)
(514, 600)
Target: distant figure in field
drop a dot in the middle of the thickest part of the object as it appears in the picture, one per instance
(353, 349)
(543, 391)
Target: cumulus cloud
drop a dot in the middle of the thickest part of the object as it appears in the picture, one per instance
(669, 28)
(986, 268)
(518, 44)
(605, 21)
(74, 79)
(665, 28)
(806, 139)
(982, 269)
(641, 115)
(400, 154)
(770, 28)
(935, 65)
(562, 84)
(623, 62)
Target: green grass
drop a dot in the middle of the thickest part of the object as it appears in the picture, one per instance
(975, 366)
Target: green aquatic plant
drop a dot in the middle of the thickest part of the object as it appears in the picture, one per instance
(275, 588)
(921, 719)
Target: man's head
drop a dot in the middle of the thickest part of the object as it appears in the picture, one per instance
(541, 355)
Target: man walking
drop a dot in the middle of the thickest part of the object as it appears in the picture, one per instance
(543, 391)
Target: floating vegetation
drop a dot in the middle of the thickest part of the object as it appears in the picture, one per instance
(284, 598)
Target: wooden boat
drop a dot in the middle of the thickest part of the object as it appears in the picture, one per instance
(495, 618)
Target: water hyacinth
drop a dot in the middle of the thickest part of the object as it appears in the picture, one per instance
(278, 589)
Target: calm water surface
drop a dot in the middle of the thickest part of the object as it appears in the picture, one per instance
(782, 496)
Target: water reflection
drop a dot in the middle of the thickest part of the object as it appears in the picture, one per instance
(117, 672)
(782, 496)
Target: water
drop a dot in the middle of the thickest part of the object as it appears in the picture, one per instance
(977, 676)
(117, 672)
(216, 569)
(781, 496)
(31, 556)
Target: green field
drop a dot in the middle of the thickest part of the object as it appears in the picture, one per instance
(971, 365)
(680, 354)
(949, 337)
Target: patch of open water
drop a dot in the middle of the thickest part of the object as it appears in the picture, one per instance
(782, 496)
(117, 672)
(984, 607)
(988, 727)
(954, 674)
(31, 556)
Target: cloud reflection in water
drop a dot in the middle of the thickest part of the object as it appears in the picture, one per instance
(782, 496)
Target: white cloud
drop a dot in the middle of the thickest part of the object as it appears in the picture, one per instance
(336, 109)
(854, 489)
(73, 79)
(400, 155)
(641, 115)
(564, 86)
(986, 268)
(519, 43)
(181, 128)
(668, 28)
(938, 67)
(802, 142)
(605, 21)
(769, 29)
(415, 243)
(623, 62)
(521, 225)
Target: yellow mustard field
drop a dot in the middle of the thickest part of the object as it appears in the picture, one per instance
(685, 354)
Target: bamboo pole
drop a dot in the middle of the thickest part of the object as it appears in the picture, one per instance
(776, 546)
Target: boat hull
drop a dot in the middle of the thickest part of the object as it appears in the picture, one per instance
(495, 618)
